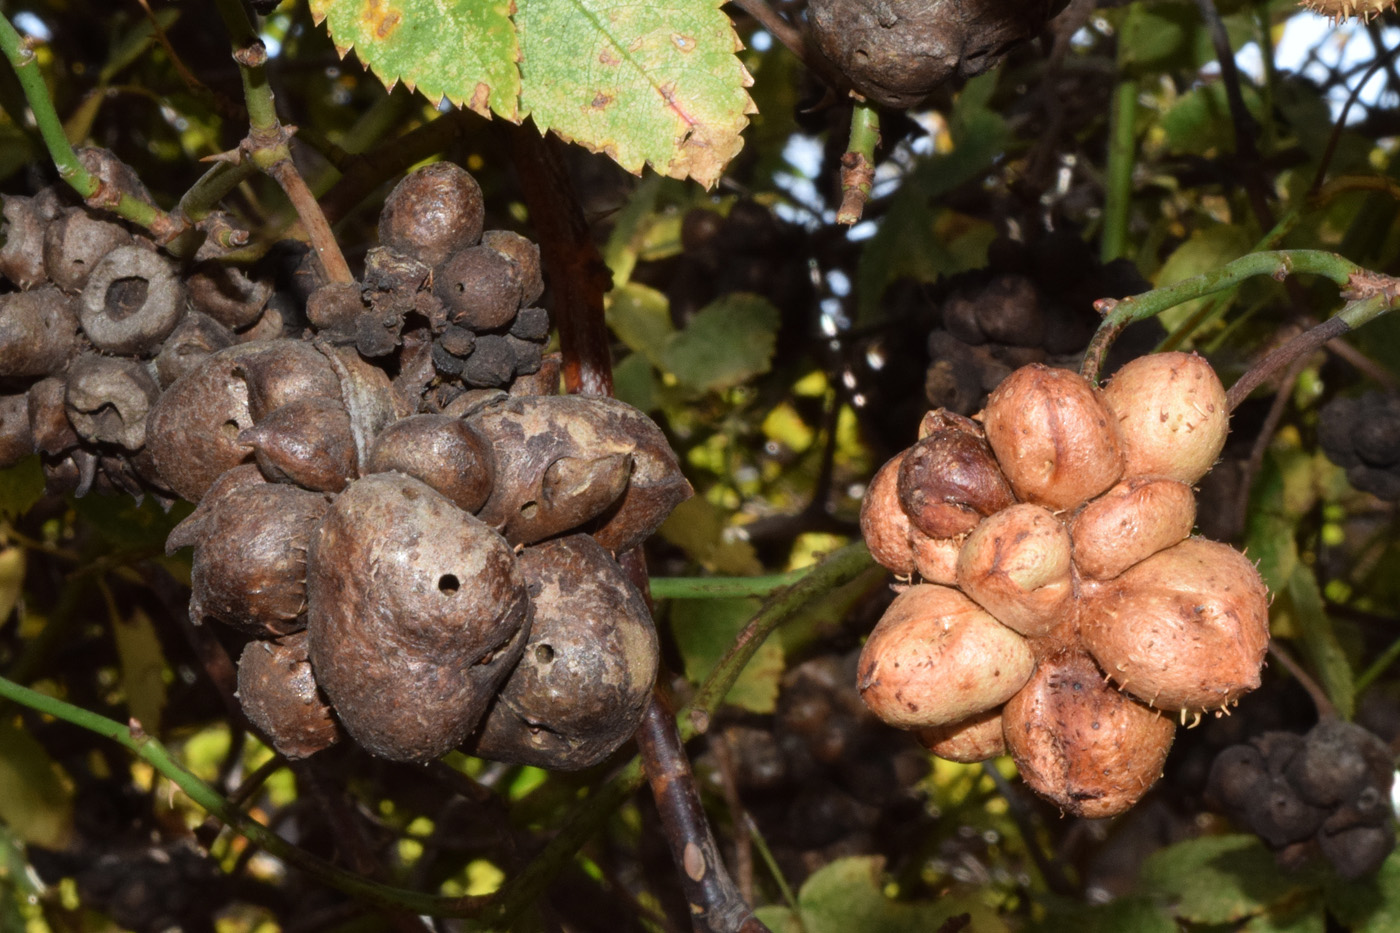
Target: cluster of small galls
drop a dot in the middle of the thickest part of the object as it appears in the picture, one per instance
(1062, 603)
(416, 533)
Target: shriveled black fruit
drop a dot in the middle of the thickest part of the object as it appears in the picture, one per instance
(433, 213)
(249, 567)
(1358, 851)
(588, 668)
(526, 255)
(38, 332)
(279, 696)
(443, 452)
(75, 242)
(1279, 816)
(1008, 311)
(897, 51)
(108, 400)
(307, 442)
(1337, 762)
(562, 461)
(227, 294)
(481, 288)
(417, 613)
(531, 324)
(132, 301)
(491, 363)
(1238, 776)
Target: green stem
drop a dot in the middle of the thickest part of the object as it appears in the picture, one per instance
(858, 164)
(722, 587)
(268, 141)
(70, 169)
(157, 756)
(1276, 264)
(836, 569)
(1121, 150)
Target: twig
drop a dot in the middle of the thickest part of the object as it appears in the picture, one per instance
(1255, 463)
(715, 903)
(781, 29)
(1244, 126)
(858, 163)
(578, 277)
(743, 849)
(836, 569)
(155, 754)
(1323, 705)
(1119, 313)
(1050, 870)
(1340, 125)
(723, 587)
(92, 189)
(1295, 349)
(268, 141)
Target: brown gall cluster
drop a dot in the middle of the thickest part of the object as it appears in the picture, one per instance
(1053, 604)
(414, 532)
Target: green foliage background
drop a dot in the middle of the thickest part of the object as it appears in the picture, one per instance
(770, 393)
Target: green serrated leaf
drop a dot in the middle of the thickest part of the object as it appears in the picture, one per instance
(1220, 879)
(727, 342)
(36, 801)
(641, 318)
(464, 50)
(647, 84)
(21, 486)
(705, 628)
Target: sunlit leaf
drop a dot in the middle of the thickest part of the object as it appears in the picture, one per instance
(464, 50)
(705, 628)
(727, 342)
(1220, 879)
(848, 895)
(142, 668)
(654, 84)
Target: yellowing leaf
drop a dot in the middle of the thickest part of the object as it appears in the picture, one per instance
(654, 84)
(142, 666)
(464, 50)
(12, 564)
